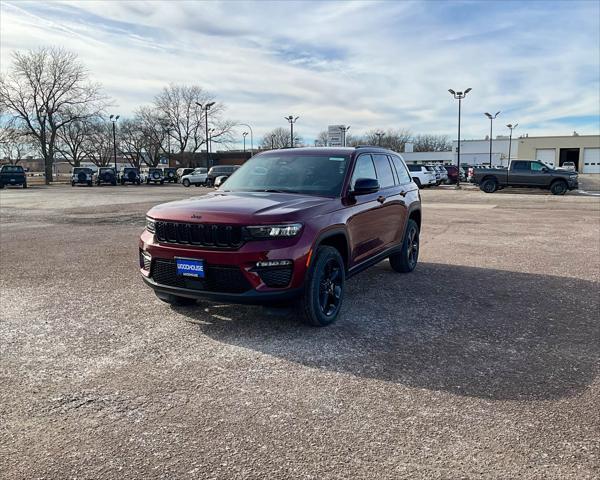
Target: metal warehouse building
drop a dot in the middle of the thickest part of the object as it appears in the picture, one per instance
(582, 150)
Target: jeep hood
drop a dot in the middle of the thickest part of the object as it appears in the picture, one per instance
(241, 208)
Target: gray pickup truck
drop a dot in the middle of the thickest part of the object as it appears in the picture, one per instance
(524, 173)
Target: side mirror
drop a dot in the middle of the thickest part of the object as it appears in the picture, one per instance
(364, 186)
(544, 169)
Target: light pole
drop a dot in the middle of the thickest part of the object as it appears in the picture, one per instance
(292, 120)
(251, 137)
(210, 137)
(206, 108)
(114, 119)
(511, 127)
(458, 96)
(344, 129)
(489, 115)
(272, 142)
(244, 135)
(379, 135)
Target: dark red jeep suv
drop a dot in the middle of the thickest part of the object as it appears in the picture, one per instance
(288, 224)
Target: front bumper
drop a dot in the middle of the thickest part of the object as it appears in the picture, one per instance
(243, 259)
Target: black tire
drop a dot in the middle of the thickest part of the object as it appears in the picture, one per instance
(324, 288)
(72, 183)
(147, 181)
(174, 299)
(137, 182)
(186, 182)
(489, 186)
(162, 182)
(90, 184)
(25, 185)
(559, 187)
(405, 261)
(1, 185)
(196, 184)
(418, 182)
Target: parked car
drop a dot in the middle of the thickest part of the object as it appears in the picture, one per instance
(436, 173)
(218, 171)
(106, 175)
(197, 177)
(526, 173)
(170, 175)
(452, 171)
(12, 175)
(568, 166)
(220, 180)
(130, 175)
(443, 173)
(181, 172)
(82, 176)
(422, 176)
(293, 223)
(155, 175)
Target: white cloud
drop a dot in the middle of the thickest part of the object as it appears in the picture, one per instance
(362, 63)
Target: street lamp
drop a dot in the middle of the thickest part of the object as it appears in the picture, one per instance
(251, 136)
(292, 120)
(344, 129)
(458, 96)
(206, 108)
(511, 127)
(113, 119)
(491, 117)
(272, 142)
(244, 135)
(210, 137)
(379, 135)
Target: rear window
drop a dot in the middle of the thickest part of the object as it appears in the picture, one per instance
(12, 168)
(414, 168)
(84, 170)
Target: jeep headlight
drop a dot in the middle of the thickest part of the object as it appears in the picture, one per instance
(274, 231)
(150, 225)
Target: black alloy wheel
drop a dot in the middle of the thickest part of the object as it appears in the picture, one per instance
(405, 261)
(324, 288)
(559, 188)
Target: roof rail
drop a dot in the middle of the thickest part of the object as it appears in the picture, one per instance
(369, 146)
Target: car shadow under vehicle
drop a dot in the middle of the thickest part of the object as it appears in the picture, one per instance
(471, 331)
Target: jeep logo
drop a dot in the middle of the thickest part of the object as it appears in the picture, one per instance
(195, 215)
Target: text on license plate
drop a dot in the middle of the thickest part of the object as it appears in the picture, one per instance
(190, 268)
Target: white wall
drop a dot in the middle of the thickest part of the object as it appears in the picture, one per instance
(482, 147)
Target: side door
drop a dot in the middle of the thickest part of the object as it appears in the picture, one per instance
(520, 173)
(540, 175)
(391, 198)
(408, 192)
(367, 221)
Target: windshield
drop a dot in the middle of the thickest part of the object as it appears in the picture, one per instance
(287, 172)
(84, 170)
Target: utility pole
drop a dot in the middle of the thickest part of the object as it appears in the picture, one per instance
(344, 129)
(292, 120)
(206, 108)
(458, 96)
(511, 127)
(489, 115)
(114, 119)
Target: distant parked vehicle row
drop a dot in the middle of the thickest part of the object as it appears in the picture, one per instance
(432, 175)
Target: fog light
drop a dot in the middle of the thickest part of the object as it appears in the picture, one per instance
(145, 260)
(274, 263)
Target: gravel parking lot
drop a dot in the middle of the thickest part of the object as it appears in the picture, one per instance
(483, 363)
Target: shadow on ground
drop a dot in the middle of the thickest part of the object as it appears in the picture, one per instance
(470, 331)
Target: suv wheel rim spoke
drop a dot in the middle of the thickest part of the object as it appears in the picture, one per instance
(330, 288)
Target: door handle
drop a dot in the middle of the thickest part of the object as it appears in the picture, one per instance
(381, 199)
(403, 193)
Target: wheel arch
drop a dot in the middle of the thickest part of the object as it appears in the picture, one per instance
(336, 238)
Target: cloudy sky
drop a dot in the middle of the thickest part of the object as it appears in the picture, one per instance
(366, 64)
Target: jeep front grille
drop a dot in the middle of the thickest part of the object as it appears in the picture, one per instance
(218, 278)
(199, 234)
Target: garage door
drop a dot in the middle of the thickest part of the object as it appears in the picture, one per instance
(546, 155)
(591, 160)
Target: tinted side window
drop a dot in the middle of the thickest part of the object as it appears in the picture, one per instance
(363, 169)
(384, 171)
(521, 166)
(414, 168)
(403, 175)
(536, 167)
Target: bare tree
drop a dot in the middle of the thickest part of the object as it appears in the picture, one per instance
(14, 144)
(132, 140)
(98, 143)
(154, 134)
(431, 143)
(322, 139)
(71, 140)
(185, 121)
(47, 89)
(393, 139)
(279, 138)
